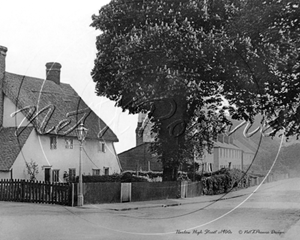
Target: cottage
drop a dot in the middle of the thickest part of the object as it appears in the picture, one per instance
(38, 122)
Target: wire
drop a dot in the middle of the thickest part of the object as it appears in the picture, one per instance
(90, 158)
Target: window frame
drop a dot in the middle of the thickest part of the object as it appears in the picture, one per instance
(106, 171)
(96, 171)
(69, 143)
(53, 142)
(55, 175)
(101, 147)
(71, 177)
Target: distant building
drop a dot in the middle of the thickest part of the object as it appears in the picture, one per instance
(38, 119)
(227, 151)
(139, 158)
(247, 156)
(224, 154)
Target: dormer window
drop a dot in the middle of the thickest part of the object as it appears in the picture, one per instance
(53, 142)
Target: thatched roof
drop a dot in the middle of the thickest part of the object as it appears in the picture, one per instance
(63, 104)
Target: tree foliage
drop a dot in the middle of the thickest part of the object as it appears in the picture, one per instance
(195, 52)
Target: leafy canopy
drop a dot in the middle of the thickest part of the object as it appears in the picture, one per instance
(198, 51)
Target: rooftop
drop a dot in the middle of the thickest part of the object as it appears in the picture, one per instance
(60, 109)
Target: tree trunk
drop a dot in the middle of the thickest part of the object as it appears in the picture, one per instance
(170, 114)
(170, 174)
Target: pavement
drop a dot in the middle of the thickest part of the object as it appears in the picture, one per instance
(292, 233)
(127, 206)
(273, 206)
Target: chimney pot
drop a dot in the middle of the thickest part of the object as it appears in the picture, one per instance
(3, 51)
(53, 72)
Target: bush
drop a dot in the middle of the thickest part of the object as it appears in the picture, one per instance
(224, 180)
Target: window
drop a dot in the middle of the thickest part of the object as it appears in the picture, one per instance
(53, 142)
(55, 175)
(69, 143)
(72, 174)
(96, 171)
(106, 170)
(47, 174)
(101, 147)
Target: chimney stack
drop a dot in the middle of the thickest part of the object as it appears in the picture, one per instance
(3, 51)
(138, 135)
(53, 72)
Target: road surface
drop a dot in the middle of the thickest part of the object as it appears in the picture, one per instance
(269, 212)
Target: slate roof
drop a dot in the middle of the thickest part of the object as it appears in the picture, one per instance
(26, 91)
(225, 145)
(11, 145)
(139, 156)
(242, 146)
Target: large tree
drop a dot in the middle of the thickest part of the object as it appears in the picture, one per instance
(178, 58)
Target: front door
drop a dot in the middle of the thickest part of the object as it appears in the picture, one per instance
(47, 174)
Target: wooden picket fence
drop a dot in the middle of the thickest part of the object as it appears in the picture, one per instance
(35, 192)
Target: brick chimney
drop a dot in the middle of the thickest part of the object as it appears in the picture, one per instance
(138, 135)
(3, 51)
(53, 72)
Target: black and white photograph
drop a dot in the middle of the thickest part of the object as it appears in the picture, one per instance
(150, 119)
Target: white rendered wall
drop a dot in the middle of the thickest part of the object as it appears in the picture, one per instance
(230, 155)
(37, 148)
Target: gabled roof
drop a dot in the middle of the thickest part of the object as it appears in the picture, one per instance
(11, 145)
(26, 91)
(242, 146)
(138, 157)
(225, 145)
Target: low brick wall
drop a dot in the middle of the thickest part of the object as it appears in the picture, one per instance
(145, 191)
(110, 192)
(101, 192)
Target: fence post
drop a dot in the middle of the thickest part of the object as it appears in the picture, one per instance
(72, 194)
(22, 191)
(5, 189)
(1, 192)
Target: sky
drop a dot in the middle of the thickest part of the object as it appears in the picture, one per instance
(37, 32)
